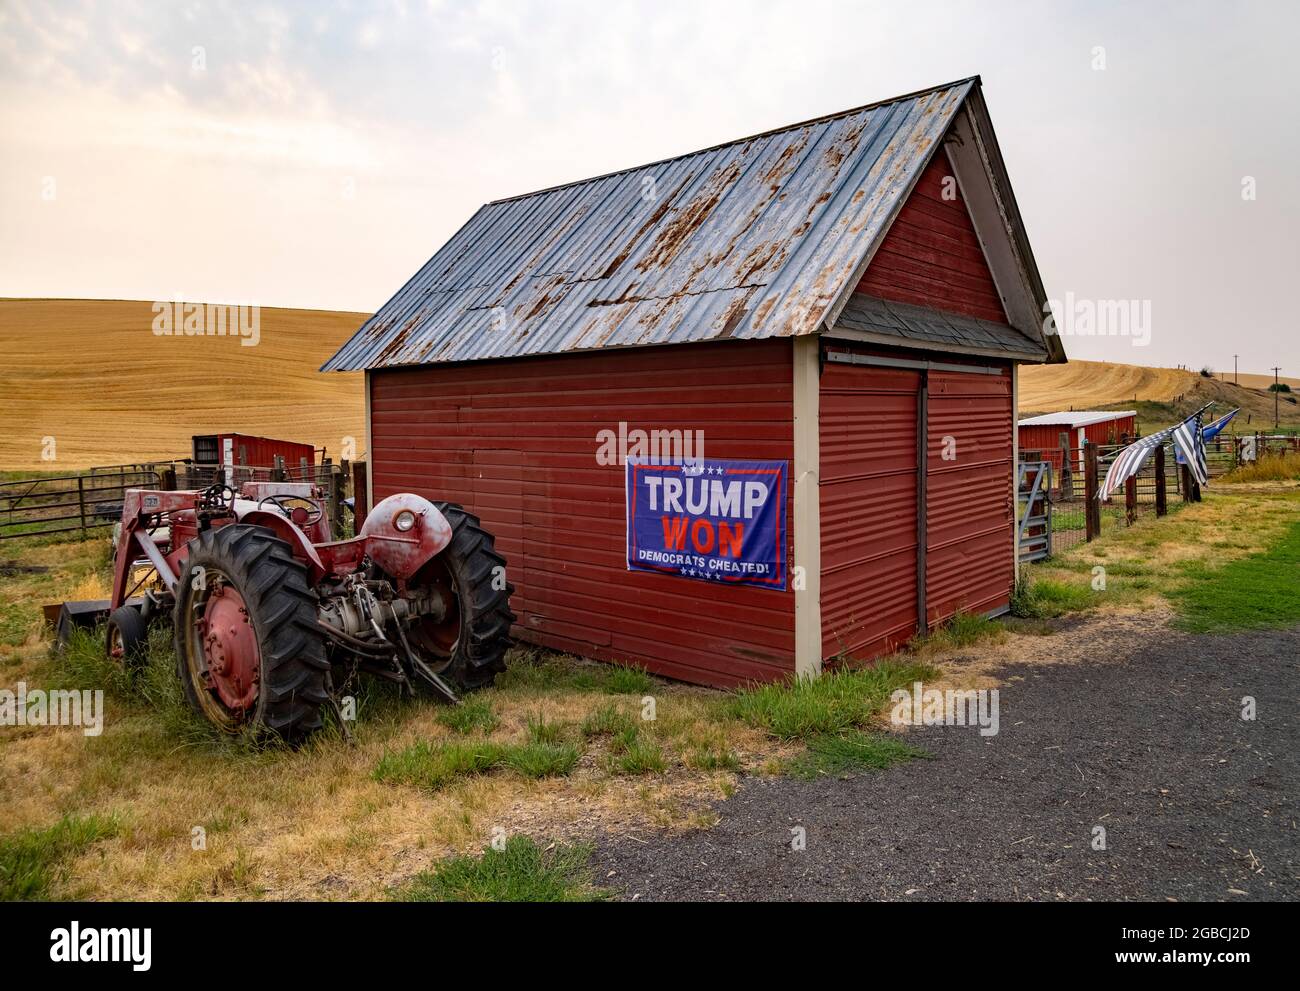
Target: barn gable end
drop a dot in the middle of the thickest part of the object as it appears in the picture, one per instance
(932, 256)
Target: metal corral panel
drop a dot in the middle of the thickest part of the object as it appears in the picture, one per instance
(970, 553)
(868, 509)
(753, 239)
(516, 443)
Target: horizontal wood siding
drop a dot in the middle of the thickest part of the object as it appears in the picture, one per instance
(868, 509)
(516, 442)
(970, 555)
(931, 255)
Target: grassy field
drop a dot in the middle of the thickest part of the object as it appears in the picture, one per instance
(1224, 564)
(92, 375)
(501, 798)
(560, 748)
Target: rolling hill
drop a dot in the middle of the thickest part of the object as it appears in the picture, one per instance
(1159, 395)
(93, 375)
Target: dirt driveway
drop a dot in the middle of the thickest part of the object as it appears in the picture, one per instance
(1118, 722)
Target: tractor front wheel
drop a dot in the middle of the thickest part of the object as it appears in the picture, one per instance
(127, 636)
(249, 652)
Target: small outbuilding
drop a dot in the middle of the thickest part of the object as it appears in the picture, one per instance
(735, 414)
(1051, 433)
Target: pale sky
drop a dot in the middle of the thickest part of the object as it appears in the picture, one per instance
(315, 154)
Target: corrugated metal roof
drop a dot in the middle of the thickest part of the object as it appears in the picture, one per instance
(894, 323)
(751, 239)
(1076, 418)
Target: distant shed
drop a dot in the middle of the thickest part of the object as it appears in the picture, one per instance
(1044, 433)
(838, 307)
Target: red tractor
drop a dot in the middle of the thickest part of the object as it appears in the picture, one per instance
(272, 619)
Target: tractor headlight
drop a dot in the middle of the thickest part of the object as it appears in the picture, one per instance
(404, 521)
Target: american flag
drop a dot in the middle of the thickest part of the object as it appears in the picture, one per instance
(1189, 442)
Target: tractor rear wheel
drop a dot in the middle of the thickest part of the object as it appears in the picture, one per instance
(469, 644)
(249, 652)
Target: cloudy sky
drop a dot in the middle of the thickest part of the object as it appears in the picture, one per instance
(315, 154)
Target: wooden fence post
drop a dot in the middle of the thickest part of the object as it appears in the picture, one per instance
(1092, 512)
(1185, 476)
(81, 502)
(1067, 469)
(336, 498)
(167, 479)
(1131, 501)
(1162, 486)
(360, 495)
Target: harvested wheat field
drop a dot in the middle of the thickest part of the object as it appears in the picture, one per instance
(1102, 384)
(93, 375)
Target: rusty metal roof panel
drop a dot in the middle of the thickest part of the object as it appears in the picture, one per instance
(752, 239)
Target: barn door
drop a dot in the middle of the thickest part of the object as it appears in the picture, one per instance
(869, 498)
(969, 499)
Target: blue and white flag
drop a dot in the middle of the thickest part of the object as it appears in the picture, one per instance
(1189, 444)
(1210, 431)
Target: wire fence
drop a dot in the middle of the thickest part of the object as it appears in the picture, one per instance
(1061, 519)
(44, 505)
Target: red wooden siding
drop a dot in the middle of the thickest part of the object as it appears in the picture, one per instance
(932, 256)
(515, 442)
(970, 556)
(868, 509)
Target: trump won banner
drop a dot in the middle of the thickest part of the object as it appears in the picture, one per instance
(718, 521)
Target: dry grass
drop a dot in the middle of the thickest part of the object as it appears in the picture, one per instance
(92, 374)
(317, 823)
(1270, 468)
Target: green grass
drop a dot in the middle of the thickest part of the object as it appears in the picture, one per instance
(837, 701)
(962, 630)
(608, 720)
(474, 714)
(434, 766)
(540, 731)
(1046, 598)
(628, 681)
(522, 872)
(637, 756)
(844, 753)
(32, 859)
(1261, 590)
(542, 760)
(712, 758)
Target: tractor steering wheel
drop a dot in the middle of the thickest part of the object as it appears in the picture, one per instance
(313, 511)
(217, 497)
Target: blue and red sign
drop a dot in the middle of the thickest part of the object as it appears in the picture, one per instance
(721, 521)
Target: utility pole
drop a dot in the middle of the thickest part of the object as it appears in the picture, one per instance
(1234, 369)
(1277, 396)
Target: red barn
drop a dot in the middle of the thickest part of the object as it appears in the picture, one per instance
(834, 310)
(1043, 433)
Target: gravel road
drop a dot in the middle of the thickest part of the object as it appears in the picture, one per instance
(1139, 731)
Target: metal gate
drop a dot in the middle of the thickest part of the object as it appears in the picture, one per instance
(1034, 514)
